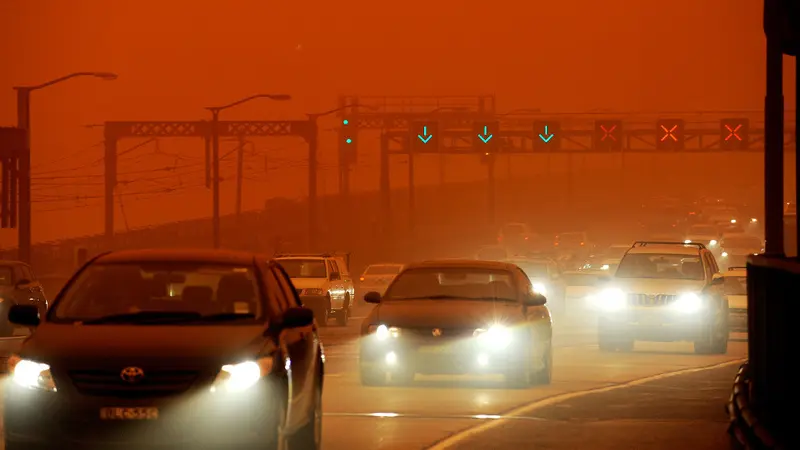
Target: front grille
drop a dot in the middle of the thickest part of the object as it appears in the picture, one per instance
(651, 299)
(444, 333)
(155, 383)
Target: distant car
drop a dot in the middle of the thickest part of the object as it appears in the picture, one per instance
(736, 291)
(572, 242)
(377, 277)
(616, 251)
(323, 284)
(703, 233)
(151, 348)
(580, 285)
(516, 235)
(664, 292)
(737, 247)
(453, 317)
(18, 286)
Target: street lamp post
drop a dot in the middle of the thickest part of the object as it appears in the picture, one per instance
(24, 171)
(215, 110)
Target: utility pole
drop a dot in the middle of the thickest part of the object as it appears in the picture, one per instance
(239, 175)
(773, 134)
(215, 221)
(24, 175)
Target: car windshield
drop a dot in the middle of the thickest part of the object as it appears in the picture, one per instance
(161, 290)
(742, 242)
(670, 266)
(702, 230)
(304, 268)
(533, 270)
(6, 276)
(736, 285)
(383, 269)
(453, 283)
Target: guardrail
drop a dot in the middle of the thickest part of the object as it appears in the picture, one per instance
(745, 429)
(771, 400)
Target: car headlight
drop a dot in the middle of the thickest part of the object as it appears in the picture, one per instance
(539, 288)
(242, 376)
(712, 243)
(30, 374)
(382, 332)
(610, 299)
(688, 303)
(312, 291)
(724, 254)
(687, 241)
(496, 336)
(753, 220)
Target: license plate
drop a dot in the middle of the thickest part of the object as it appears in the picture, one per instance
(114, 413)
(428, 349)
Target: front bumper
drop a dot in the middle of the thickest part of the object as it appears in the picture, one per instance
(195, 419)
(453, 357)
(657, 324)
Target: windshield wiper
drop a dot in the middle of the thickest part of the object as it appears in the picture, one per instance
(145, 317)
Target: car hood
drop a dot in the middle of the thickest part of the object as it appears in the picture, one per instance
(308, 283)
(656, 285)
(446, 313)
(175, 344)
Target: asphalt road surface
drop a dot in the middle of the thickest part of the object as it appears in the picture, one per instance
(640, 400)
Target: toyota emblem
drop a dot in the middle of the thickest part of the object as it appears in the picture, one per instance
(437, 332)
(132, 374)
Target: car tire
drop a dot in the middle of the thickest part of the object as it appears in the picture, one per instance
(344, 314)
(371, 377)
(545, 375)
(309, 437)
(322, 313)
(715, 341)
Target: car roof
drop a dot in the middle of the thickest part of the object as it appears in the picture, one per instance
(462, 264)
(666, 249)
(178, 255)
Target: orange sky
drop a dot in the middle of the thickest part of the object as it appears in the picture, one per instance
(175, 57)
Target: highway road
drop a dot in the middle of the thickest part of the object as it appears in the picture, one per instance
(469, 412)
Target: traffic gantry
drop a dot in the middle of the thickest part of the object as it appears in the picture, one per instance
(670, 134)
(424, 136)
(734, 134)
(546, 135)
(608, 135)
(485, 137)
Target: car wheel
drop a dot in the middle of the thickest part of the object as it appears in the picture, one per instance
(715, 340)
(545, 375)
(344, 314)
(310, 436)
(371, 376)
(322, 314)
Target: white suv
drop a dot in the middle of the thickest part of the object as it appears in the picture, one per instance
(323, 283)
(664, 292)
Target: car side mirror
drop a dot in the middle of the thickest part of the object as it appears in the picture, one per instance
(25, 315)
(535, 299)
(297, 318)
(23, 283)
(336, 276)
(372, 297)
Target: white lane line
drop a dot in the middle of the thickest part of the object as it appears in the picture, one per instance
(463, 435)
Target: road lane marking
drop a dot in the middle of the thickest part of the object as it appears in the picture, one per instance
(463, 435)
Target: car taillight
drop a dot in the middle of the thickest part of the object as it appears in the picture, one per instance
(361, 279)
(581, 243)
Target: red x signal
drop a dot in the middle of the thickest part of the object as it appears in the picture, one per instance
(733, 132)
(607, 132)
(668, 133)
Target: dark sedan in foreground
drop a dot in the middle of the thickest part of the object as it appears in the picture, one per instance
(454, 317)
(158, 348)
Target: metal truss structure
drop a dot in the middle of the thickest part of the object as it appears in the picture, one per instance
(114, 131)
(12, 148)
